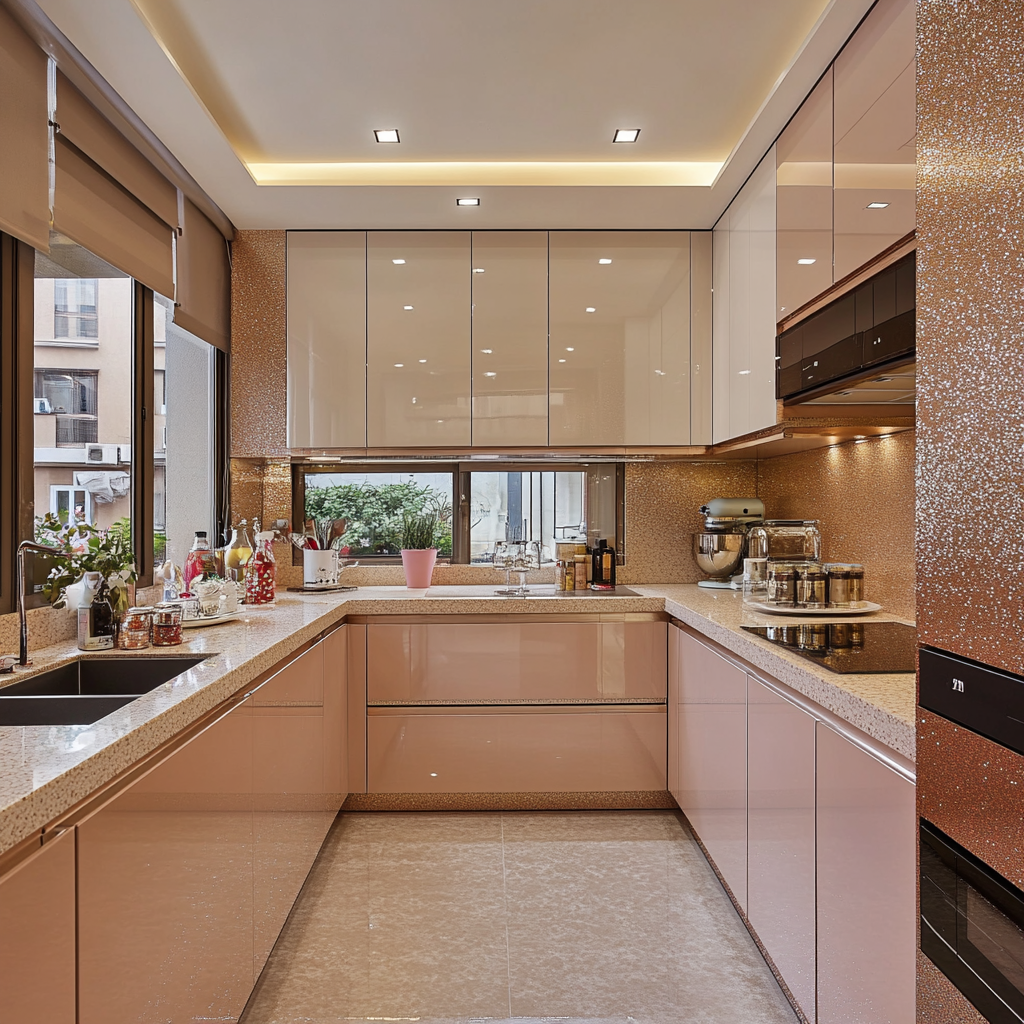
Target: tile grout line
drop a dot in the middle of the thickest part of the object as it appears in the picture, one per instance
(504, 894)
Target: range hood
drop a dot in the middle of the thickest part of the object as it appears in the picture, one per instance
(851, 340)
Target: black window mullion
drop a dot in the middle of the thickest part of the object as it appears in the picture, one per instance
(142, 431)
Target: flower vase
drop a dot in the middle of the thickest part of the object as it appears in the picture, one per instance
(418, 564)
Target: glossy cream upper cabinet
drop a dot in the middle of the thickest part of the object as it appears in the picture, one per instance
(744, 308)
(510, 337)
(419, 372)
(326, 305)
(803, 202)
(619, 337)
(875, 136)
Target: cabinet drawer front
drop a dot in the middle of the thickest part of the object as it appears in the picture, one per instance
(516, 661)
(300, 682)
(510, 752)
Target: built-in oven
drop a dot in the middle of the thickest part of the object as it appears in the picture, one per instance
(972, 927)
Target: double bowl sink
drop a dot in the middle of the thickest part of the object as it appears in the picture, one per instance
(85, 690)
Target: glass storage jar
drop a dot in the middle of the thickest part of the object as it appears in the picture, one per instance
(134, 632)
(167, 625)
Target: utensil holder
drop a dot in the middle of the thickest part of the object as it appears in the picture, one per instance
(320, 568)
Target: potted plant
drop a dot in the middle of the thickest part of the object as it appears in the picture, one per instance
(419, 549)
(79, 548)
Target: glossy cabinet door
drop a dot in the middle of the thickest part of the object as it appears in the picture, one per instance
(744, 309)
(866, 878)
(875, 147)
(336, 718)
(780, 836)
(165, 887)
(418, 339)
(713, 757)
(510, 337)
(516, 749)
(356, 685)
(37, 936)
(803, 157)
(701, 343)
(326, 310)
(290, 816)
(515, 661)
(675, 641)
(619, 337)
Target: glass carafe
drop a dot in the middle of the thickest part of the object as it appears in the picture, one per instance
(261, 571)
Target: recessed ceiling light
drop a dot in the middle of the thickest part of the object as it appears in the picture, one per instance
(591, 309)
(423, 360)
(398, 366)
(806, 261)
(570, 350)
(398, 263)
(487, 351)
(604, 262)
(467, 202)
(626, 135)
(877, 206)
(386, 134)
(561, 360)
(407, 307)
(478, 270)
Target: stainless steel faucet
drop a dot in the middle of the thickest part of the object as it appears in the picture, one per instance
(26, 545)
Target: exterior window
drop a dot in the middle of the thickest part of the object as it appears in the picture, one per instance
(74, 309)
(82, 413)
(374, 507)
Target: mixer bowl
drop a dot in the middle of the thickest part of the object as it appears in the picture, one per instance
(719, 554)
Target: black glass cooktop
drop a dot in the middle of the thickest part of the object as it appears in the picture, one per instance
(848, 646)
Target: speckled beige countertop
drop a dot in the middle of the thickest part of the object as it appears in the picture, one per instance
(47, 770)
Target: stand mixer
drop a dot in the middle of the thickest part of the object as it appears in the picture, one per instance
(721, 546)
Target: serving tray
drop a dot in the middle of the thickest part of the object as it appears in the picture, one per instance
(210, 620)
(866, 608)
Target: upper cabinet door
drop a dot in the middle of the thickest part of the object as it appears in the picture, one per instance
(326, 301)
(418, 339)
(510, 338)
(620, 337)
(803, 199)
(875, 135)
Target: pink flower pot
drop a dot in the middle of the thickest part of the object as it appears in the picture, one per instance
(418, 565)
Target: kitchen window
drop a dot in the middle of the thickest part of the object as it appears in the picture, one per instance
(476, 507)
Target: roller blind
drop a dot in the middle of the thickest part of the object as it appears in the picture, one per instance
(204, 280)
(24, 137)
(92, 134)
(91, 208)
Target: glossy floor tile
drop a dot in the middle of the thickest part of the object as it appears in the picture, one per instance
(611, 916)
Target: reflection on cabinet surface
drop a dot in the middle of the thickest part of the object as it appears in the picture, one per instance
(780, 840)
(516, 749)
(712, 766)
(510, 337)
(866, 865)
(37, 936)
(803, 157)
(418, 338)
(326, 308)
(186, 877)
(620, 337)
(744, 309)
(513, 661)
(875, 135)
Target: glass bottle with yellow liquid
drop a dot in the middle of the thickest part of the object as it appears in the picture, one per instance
(237, 552)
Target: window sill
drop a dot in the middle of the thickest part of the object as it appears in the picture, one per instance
(66, 343)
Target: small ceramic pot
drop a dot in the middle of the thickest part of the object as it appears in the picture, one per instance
(418, 565)
(320, 568)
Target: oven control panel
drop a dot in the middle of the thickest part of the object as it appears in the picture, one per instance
(975, 696)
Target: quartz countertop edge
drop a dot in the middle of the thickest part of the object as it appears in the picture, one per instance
(45, 771)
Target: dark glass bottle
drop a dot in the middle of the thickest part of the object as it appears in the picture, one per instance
(602, 574)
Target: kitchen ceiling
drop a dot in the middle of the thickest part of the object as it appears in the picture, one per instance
(272, 107)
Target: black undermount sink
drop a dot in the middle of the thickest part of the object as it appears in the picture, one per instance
(85, 690)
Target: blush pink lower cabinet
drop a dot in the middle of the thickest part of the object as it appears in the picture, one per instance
(186, 877)
(516, 750)
(37, 936)
(866, 865)
(711, 775)
(780, 836)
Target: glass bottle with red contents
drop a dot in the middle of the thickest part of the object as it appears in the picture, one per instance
(199, 562)
(261, 571)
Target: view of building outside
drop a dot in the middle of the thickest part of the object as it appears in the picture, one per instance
(83, 403)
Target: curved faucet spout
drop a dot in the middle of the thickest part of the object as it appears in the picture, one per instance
(25, 545)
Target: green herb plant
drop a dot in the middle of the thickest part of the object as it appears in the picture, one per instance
(419, 532)
(79, 548)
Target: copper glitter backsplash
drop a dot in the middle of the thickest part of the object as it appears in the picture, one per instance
(970, 278)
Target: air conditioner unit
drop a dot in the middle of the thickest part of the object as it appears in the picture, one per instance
(108, 454)
(94, 453)
(41, 405)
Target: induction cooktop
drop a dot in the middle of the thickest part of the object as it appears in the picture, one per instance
(848, 646)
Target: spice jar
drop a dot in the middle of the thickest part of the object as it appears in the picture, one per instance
(580, 572)
(838, 585)
(261, 571)
(167, 625)
(856, 585)
(810, 587)
(134, 632)
(781, 584)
